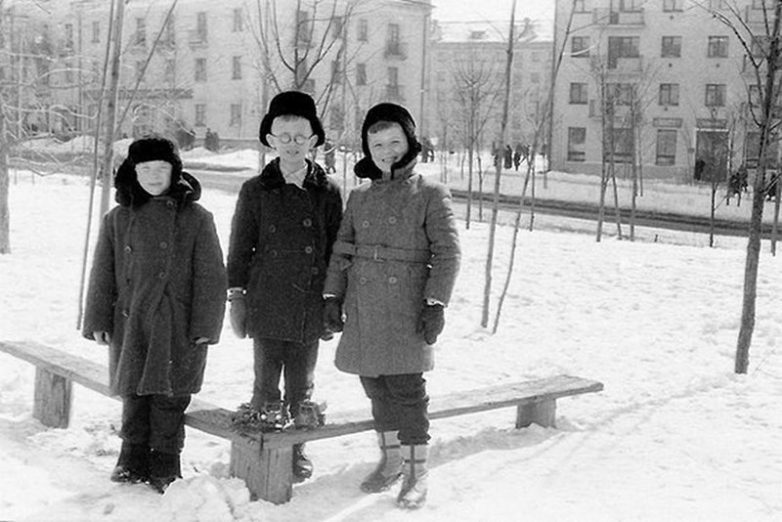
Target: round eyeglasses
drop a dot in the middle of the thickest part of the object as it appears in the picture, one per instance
(286, 138)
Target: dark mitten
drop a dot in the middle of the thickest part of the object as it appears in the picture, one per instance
(239, 318)
(332, 314)
(431, 322)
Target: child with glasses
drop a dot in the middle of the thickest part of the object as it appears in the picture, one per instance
(285, 223)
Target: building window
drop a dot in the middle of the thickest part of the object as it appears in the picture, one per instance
(576, 140)
(168, 32)
(622, 47)
(169, 71)
(201, 30)
(238, 26)
(236, 68)
(666, 147)
(623, 145)
(139, 69)
(95, 32)
(578, 94)
(141, 32)
(336, 72)
(200, 69)
(336, 119)
(393, 76)
(715, 94)
(579, 47)
(337, 25)
(392, 43)
(363, 30)
(718, 47)
(672, 5)
(361, 74)
(200, 114)
(69, 36)
(236, 115)
(623, 93)
(671, 47)
(303, 32)
(669, 94)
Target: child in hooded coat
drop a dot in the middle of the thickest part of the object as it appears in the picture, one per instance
(392, 273)
(156, 297)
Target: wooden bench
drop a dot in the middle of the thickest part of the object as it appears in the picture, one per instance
(263, 460)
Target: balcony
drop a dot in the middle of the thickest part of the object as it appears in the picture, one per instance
(395, 50)
(197, 38)
(625, 66)
(395, 93)
(138, 42)
(606, 17)
(754, 15)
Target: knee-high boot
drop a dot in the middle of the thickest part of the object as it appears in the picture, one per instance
(415, 473)
(389, 469)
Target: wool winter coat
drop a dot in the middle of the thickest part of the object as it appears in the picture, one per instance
(157, 284)
(397, 246)
(281, 239)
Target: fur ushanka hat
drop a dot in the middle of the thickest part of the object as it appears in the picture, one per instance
(389, 112)
(149, 148)
(292, 103)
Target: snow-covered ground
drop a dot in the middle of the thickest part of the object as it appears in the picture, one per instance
(675, 435)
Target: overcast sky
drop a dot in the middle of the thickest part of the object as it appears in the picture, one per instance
(462, 10)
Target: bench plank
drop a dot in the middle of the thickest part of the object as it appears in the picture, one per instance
(263, 460)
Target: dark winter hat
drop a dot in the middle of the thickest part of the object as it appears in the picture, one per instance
(152, 148)
(393, 113)
(292, 103)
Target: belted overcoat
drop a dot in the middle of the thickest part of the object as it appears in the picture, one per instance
(397, 246)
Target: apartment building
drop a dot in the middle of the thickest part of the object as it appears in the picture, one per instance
(663, 81)
(216, 64)
(466, 82)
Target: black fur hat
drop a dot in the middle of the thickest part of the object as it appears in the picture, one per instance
(148, 148)
(293, 103)
(390, 112)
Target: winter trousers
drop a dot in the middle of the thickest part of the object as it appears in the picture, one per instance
(295, 361)
(400, 403)
(157, 421)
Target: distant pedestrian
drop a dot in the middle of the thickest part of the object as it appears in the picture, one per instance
(508, 156)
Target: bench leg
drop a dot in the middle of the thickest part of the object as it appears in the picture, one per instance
(268, 473)
(52, 399)
(542, 413)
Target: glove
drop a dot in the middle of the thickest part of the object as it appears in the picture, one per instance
(431, 322)
(239, 317)
(102, 337)
(332, 314)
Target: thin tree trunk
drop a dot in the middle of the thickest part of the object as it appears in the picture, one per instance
(775, 225)
(496, 198)
(758, 200)
(5, 214)
(617, 213)
(111, 109)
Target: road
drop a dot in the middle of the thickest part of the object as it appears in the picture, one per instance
(231, 181)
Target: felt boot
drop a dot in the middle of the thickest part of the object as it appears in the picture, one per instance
(164, 468)
(389, 469)
(302, 465)
(132, 464)
(415, 473)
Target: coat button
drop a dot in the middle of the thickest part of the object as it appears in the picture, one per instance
(170, 204)
(273, 253)
(392, 220)
(363, 280)
(161, 275)
(365, 224)
(308, 250)
(128, 250)
(125, 313)
(392, 280)
(272, 229)
(307, 222)
(163, 245)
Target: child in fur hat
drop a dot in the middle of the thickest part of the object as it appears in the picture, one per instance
(157, 298)
(392, 273)
(285, 223)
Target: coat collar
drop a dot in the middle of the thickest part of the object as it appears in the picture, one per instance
(271, 175)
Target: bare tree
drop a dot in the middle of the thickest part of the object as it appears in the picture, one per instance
(763, 53)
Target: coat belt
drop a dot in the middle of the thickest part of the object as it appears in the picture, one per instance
(382, 253)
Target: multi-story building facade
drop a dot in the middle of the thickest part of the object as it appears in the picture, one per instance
(666, 83)
(216, 64)
(466, 82)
